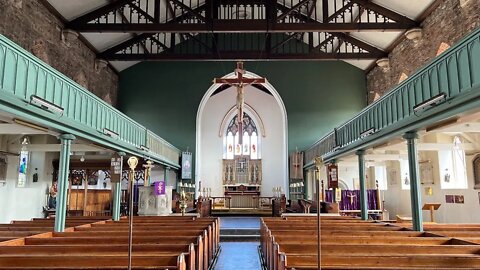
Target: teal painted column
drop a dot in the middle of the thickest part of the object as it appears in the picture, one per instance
(363, 185)
(165, 174)
(415, 195)
(61, 211)
(117, 193)
(305, 184)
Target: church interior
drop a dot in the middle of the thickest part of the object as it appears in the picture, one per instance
(239, 134)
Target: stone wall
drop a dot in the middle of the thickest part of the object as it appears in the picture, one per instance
(447, 24)
(31, 25)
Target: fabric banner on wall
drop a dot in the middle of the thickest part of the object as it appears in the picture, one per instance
(186, 165)
(332, 175)
(296, 165)
(351, 199)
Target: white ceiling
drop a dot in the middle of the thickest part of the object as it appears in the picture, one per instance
(71, 9)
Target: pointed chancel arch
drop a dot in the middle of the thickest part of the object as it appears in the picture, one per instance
(284, 125)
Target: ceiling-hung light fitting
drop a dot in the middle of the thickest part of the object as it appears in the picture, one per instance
(367, 132)
(430, 102)
(384, 64)
(46, 105)
(110, 133)
(144, 148)
(414, 34)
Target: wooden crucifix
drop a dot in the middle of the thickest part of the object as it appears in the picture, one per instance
(239, 82)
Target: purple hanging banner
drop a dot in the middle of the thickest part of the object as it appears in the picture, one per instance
(159, 188)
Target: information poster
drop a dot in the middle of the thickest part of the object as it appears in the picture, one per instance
(115, 168)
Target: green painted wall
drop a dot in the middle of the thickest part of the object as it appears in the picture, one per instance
(164, 96)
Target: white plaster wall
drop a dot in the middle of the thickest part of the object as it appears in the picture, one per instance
(158, 174)
(347, 174)
(272, 146)
(26, 203)
(397, 201)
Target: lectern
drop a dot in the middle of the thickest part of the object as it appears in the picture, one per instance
(432, 207)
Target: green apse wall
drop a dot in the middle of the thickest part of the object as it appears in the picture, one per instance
(164, 96)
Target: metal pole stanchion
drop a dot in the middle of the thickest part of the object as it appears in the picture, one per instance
(319, 205)
(132, 163)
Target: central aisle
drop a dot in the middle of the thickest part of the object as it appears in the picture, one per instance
(238, 256)
(238, 253)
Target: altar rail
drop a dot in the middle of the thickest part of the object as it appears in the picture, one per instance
(22, 76)
(455, 73)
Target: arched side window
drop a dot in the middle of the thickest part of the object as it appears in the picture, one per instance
(251, 141)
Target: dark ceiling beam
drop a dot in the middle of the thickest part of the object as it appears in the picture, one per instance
(119, 47)
(361, 10)
(374, 50)
(199, 41)
(233, 56)
(189, 10)
(386, 12)
(287, 39)
(319, 46)
(97, 13)
(161, 44)
(339, 12)
(125, 20)
(141, 37)
(292, 9)
(344, 37)
(240, 26)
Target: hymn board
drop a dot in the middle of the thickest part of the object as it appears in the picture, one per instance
(242, 170)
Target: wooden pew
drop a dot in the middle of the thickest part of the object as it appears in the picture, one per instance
(24, 228)
(354, 244)
(53, 261)
(191, 241)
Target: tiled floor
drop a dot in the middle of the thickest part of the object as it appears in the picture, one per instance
(238, 256)
(239, 223)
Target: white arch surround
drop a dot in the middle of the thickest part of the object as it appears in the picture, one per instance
(201, 107)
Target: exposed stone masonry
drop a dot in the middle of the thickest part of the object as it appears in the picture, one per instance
(31, 25)
(452, 20)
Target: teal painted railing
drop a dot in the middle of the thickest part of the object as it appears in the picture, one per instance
(22, 76)
(455, 73)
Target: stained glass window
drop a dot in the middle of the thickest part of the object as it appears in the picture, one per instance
(250, 140)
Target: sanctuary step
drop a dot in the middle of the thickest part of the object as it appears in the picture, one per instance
(239, 235)
(244, 212)
(239, 229)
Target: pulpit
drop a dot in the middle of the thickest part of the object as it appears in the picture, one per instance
(150, 204)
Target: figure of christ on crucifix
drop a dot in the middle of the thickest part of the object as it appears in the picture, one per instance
(240, 82)
(351, 196)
